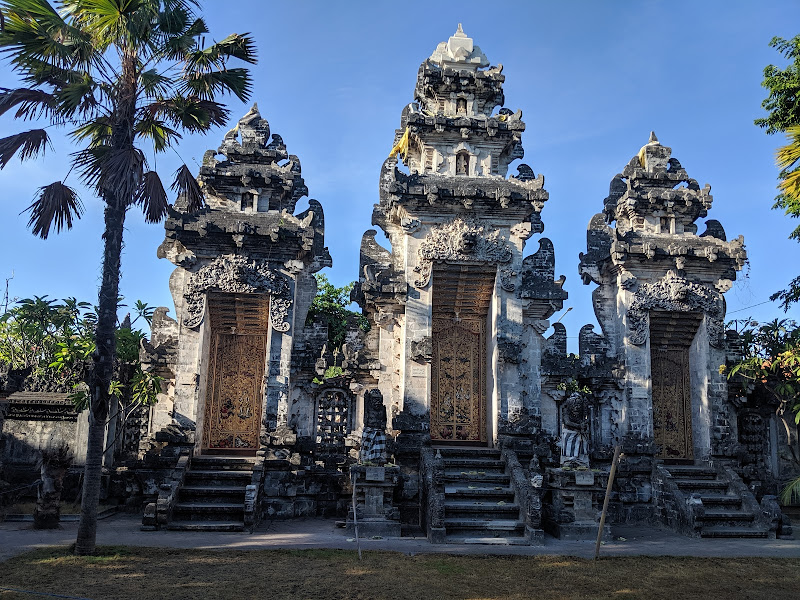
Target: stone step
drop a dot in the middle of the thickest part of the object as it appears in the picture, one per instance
(468, 452)
(482, 491)
(206, 526)
(213, 491)
(692, 471)
(489, 541)
(204, 510)
(476, 476)
(728, 515)
(721, 500)
(217, 475)
(484, 509)
(219, 463)
(733, 532)
(473, 464)
(701, 484)
(495, 525)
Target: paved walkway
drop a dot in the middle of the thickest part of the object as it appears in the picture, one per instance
(123, 529)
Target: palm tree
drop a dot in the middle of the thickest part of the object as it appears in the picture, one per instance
(118, 74)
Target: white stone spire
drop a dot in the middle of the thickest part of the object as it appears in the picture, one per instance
(459, 52)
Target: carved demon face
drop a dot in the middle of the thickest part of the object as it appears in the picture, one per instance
(467, 242)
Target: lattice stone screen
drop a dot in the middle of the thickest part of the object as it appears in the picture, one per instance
(333, 420)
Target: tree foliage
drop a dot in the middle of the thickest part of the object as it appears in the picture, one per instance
(770, 361)
(783, 106)
(56, 339)
(330, 306)
(120, 75)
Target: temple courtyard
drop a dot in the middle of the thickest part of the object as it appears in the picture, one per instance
(638, 562)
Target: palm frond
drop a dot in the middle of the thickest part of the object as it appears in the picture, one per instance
(190, 112)
(787, 156)
(175, 47)
(98, 131)
(186, 185)
(89, 163)
(236, 45)
(107, 19)
(154, 84)
(31, 143)
(32, 103)
(121, 173)
(77, 98)
(208, 85)
(152, 198)
(34, 30)
(157, 131)
(55, 206)
(41, 72)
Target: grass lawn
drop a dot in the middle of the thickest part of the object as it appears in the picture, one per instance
(154, 573)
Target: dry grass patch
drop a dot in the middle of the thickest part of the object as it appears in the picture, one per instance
(152, 573)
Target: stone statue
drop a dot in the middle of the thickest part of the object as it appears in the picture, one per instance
(373, 438)
(574, 441)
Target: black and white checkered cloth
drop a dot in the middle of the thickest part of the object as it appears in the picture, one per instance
(373, 444)
(574, 447)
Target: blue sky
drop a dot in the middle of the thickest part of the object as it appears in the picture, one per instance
(592, 80)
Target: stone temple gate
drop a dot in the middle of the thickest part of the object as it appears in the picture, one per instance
(458, 409)
(490, 429)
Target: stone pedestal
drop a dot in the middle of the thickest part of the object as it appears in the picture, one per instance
(573, 503)
(377, 515)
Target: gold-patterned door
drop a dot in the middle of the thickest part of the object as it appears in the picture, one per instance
(458, 380)
(672, 402)
(237, 356)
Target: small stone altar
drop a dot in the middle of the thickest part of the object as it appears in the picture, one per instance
(375, 510)
(573, 503)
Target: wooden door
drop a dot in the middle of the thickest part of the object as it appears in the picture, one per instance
(672, 402)
(233, 396)
(458, 380)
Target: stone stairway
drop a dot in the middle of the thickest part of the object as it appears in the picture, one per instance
(212, 497)
(727, 512)
(479, 502)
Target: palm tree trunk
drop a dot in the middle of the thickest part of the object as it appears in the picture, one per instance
(103, 373)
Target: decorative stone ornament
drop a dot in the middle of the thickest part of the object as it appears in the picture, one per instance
(462, 240)
(237, 275)
(675, 293)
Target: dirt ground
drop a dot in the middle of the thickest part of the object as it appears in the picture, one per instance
(154, 573)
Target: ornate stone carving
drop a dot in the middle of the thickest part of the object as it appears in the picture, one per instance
(461, 240)
(507, 279)
(236, 274)
(279, 313)
(675, 293)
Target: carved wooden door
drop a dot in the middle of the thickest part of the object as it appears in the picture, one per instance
(458, 381)
(233, 396)
(672, 402)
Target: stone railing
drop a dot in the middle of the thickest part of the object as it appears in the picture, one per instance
(158, 514)
(528, 498)
(432, 488)
(749, 502)
(680, 511)
(252, 508)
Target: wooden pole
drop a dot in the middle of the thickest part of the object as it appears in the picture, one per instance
(605, 502)
(355, 517)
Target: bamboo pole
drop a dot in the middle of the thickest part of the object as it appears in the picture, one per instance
(605, 502)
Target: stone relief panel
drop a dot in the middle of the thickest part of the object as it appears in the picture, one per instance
(237, 274)
(463, 240)
(675, 293)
